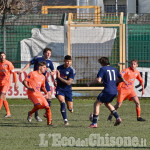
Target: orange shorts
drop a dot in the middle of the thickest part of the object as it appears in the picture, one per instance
(125, 94)
(38, 98)
(4, 89)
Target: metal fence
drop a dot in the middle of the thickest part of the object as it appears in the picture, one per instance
(138, 39)
(15, 28)
(88, 49)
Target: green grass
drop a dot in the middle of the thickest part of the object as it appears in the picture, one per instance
(16, 133)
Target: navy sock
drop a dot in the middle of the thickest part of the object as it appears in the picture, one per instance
(95, 119)
(49, 102)
(115, 114)
(63, 110)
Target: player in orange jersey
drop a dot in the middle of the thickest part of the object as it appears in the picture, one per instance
(34, 82)
(127, 91)
(6, 69)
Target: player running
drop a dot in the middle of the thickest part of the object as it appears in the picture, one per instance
(65, 77)
(108, 75)
(127, 92)
(6, 69)
(46, 57)
(34, 82)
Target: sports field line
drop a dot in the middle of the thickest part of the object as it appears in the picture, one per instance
(59, 105)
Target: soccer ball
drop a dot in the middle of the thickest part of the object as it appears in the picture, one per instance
(91, 117)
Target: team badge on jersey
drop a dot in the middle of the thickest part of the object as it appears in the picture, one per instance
(67, 72)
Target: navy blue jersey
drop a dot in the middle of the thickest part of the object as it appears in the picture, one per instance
(65, 73)
(37, 59)
(109, 77)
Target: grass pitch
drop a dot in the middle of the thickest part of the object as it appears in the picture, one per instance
(16, 133)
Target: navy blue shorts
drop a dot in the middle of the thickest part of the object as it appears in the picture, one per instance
(66, 94)
(47, 86)
(105, 97)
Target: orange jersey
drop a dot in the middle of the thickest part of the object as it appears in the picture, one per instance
(6, 68)
(36, 81)
(129, 75)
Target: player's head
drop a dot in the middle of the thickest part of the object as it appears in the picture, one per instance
(134, 64)
(42, 66)
(104, 61)
(2, 56)
(67, 61)
(47, 53)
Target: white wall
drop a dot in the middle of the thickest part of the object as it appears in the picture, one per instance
(144, 6)
(131, 6)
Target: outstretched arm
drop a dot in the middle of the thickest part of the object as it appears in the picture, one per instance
(25, 68)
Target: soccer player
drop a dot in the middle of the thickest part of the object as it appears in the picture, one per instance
(65, 77)
(34, 82)
(108, 75)
(6, 69)
(127, 91)
(46, 57)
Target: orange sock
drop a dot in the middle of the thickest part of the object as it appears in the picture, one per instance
(138, 111)
(6, 107)
(36, 107)
(1, 103)
(49, 115)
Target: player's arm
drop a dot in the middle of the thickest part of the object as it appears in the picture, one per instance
(43, 87)
(121, 79)
(97, 80)
(26, 67)
(52, 72)
(15, 80)
(11, 67)
(142, 83)
(25, 83)
(68, 82)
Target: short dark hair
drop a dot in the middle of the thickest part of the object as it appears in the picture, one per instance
(134, 61)
(2, 53)
(47, 49)
(67, 57)
(104, 61)
(42, 63)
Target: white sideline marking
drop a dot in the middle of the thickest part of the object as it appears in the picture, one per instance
(59, 105)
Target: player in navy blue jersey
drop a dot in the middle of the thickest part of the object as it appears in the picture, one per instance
(46, 57)
(108, 75)
(65, 77)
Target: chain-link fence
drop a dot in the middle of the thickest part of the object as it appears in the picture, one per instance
(18, 30)
(138, 39)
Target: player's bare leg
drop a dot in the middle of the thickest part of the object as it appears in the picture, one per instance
(96, 112)
(63, 108)
(138, 108)
(70, 106)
